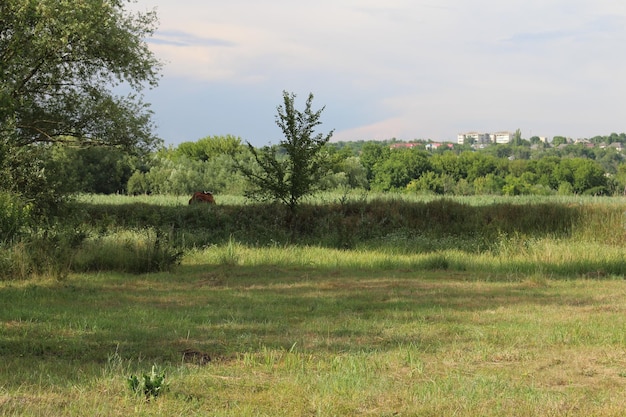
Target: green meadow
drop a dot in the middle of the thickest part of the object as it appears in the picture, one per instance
(354, 305)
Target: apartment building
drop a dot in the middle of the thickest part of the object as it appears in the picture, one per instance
(473, 137)
(482, 138)
(501, 137)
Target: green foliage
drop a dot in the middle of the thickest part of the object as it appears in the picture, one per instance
(59, 62)
(582, 174)
(184, 176)
(489, 184)
(215, 164)
(432, 182)
(346, 173)
(470, 172)
(373, 153)
(151, 385)
(15, 215)
(93, 170)
(32, 173)
(210, 147)
(517, 137)
(397, 171)
(138, 184)
(292, 170)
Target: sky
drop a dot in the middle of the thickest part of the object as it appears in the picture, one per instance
(404, 69)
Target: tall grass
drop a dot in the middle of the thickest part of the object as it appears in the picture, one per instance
(55, 253)
(360, 196)
(513, 259)
(133, 251)
(507, 235)
(342, 224)
(156, 199)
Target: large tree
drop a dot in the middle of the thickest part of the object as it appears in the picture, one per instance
(62, 60)
(294, 168)
(400, 167)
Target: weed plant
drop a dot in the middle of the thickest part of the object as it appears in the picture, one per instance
(150, 385)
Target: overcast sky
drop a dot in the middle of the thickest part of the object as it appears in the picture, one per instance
(409, 69)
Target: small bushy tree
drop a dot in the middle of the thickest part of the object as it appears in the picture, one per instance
(292, 170)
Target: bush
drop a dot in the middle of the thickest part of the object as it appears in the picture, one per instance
(15, 215)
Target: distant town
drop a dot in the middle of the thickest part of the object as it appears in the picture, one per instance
(480, 140)
(476, 138)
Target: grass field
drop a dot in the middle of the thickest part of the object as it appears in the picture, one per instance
(534, 326)
(323, 340)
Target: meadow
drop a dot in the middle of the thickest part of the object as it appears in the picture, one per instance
(380, 306)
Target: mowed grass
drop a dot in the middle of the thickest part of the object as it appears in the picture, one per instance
(318, 332)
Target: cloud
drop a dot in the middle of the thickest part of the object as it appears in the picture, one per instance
(394, 127)
(400, 68)
(179, 38)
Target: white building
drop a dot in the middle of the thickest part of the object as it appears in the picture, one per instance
(474, 137)
(501, 137)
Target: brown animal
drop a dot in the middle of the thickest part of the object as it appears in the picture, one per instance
(202, 197)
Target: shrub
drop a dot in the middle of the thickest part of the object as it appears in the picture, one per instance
(14, 216)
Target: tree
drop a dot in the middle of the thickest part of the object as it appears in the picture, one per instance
(95, 169)
(479, 164)
(559, 140)
(209, 147)
(517, 138)
(371, 154)
(61, 61)
(293, 169)
(584, 175)
(397, 171)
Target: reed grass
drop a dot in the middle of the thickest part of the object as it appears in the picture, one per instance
(509, 237)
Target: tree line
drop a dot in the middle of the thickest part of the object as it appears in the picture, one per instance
(214, 163)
